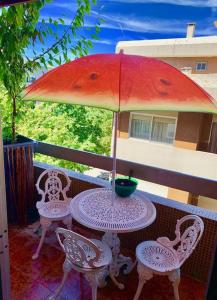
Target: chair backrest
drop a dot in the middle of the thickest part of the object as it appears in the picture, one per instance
(189, 230)
(52, 185)
(79, 250)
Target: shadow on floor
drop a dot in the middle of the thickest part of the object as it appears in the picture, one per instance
(37, 280)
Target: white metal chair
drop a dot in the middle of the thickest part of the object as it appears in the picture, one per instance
(165, 257)
(91, 257)
(52, 185)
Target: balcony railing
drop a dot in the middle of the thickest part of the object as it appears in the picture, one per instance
(168, 211)
(195, 185)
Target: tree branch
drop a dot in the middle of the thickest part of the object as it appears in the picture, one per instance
(56, 43)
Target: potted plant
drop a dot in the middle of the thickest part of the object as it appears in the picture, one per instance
(125, 186)
(20, 31)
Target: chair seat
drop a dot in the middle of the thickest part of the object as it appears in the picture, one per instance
(105, 257)
(54, 209)
(157, 257)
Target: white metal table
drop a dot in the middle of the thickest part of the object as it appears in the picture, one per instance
(93, 208)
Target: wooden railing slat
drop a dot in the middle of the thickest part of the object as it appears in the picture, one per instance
(196, 185)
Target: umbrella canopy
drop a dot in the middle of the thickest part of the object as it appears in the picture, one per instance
(120, 82)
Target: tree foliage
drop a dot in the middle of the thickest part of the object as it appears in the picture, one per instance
(72, 126)
(19, 31)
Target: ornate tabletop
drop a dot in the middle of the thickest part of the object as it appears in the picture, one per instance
(93, 208)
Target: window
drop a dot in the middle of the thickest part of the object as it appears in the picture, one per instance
(141, 126)
(201, 66)
(153, 128)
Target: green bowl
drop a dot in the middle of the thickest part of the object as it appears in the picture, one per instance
(124, 187)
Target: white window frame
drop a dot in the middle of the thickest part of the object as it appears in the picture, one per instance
(201, 62)
(152, 117)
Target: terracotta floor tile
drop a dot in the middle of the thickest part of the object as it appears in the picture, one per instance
(37, 280)
(36, 291)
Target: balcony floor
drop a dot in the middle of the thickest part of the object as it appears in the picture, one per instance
(37, 280)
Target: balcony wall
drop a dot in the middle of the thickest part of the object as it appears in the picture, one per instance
(168, 211)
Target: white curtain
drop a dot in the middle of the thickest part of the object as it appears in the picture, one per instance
(141, 127)
(158, 129)
(163, 130)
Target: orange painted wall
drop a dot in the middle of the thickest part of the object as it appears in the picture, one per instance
(181, 62)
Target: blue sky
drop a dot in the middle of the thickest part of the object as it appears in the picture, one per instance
(140, 19)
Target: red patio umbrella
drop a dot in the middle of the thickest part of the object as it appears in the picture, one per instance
(120, 82)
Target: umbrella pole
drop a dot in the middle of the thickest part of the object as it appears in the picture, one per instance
(114, 142)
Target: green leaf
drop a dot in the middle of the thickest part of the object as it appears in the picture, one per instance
(40, 38)
(55, 50)
(56, 61)
(20, 30)
(62, 21)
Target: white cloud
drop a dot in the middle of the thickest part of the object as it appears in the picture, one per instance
(66, 5)
(195, 3)
(104, 41)
(145, 25)
(149, 25)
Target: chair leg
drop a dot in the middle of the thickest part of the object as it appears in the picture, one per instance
(66, 269)
(58, 290)
(174, 277)
(118, 284)
(94, 292)
(45, 224)
(144, 275)
(68, 222)
(92, 278)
